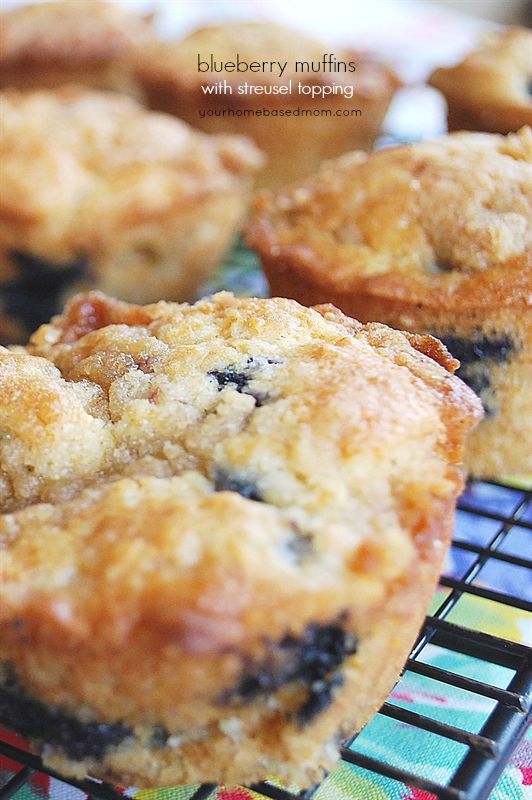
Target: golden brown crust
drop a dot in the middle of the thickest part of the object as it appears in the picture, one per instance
(52, 43)
(170, 79)
(185, 486)
(145, 204)
(489, 89)
(440, 223)
(432, 237)
(258, 741)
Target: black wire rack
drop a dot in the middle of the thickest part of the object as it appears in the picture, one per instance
(487, 752)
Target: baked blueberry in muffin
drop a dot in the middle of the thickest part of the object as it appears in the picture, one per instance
(433, 238)
(490, 90)
(221, 527)
(97, 192)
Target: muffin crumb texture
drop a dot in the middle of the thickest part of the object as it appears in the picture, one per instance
(98, 192)
(221, 526)
(490, 90)
(433, 237)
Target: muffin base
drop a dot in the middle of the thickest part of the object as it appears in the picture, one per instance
(219, 627)
(167, 259)
(259, 743)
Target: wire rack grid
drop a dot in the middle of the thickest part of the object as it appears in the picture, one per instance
(487, 751)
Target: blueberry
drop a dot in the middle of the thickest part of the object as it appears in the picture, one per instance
(314, 659)
(477, 355)
(31, 718)
(33, 296)
(159, 736)
(320, 697)
(239, 482)
(469, 351)
(230, 376)
(240, 378)
(299, 545)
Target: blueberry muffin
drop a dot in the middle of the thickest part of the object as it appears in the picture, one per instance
(221, 527)
(45, 45)
(296, 131)
(98, 192)
(491, 89)
(432, 237)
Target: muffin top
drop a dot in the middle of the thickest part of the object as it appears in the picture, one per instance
(171, 450)
(425, 221)
(87, 32)
(499, 74)
(77, 163)
(273, 47)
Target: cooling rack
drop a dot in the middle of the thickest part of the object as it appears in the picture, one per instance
(493, 529)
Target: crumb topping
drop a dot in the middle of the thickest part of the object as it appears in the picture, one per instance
(439, 210)
(151, 449)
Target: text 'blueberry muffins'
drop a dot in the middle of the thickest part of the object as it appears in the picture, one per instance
(221, 528)
(97, 192)
(296, 131)
(432, 237)
(491, 89)
(45, 45)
